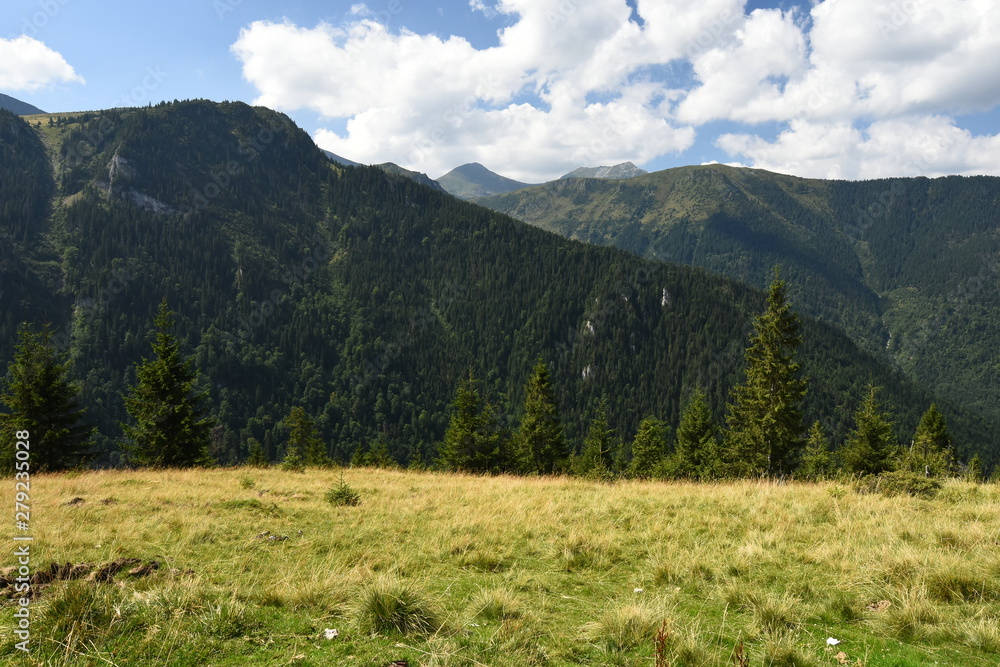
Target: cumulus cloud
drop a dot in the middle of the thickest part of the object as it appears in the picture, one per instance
(861, 88)
(876, 93)
(28, 64)
(555, 93)
(917, 146)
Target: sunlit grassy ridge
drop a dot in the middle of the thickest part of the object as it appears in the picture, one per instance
(456, 570)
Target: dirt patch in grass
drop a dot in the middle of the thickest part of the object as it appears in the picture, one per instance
(135, 568)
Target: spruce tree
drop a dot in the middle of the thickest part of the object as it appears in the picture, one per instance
(304, 448)
(930, 453)
(172, 427)
(595, 459)
(256, 457)
(974, 471)
(696, 451)
(817, 460)
(473, 442)
(765, 432)
(540, 444)
(648, 449)
(871, 445)
(39, 397)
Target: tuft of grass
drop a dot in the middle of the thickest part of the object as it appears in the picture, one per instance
(982, 634)
(772, 614)
(913, 617)
(580, 552)
(840, 607)
(389, 605)
(229, 619)
(782, 652)
(495, 604)
(958, 586)
(686, 648)
(247, 483)
(624, 626)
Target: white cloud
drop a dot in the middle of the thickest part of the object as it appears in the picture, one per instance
(431, 103)
(863, 87)
(916, 146)
(882, 84)
(28, 64)
(742, 80)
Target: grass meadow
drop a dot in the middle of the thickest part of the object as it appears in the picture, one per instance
(257, 567)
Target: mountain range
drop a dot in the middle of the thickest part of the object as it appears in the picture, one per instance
(474, 181)
(361, 295)
(908, 267)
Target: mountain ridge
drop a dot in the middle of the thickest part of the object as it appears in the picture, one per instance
(618, 171)
(903, 265)
(360, 296)
(18, 107)
(473, 180)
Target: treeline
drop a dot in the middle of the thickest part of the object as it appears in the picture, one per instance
(764, 433)
(362, 298)
(170, 422)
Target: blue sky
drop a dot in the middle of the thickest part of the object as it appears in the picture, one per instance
(534, 88)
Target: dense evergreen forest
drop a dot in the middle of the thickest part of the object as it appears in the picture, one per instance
(908, 267)
(363, 297)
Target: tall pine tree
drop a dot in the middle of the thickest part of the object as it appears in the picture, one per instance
(930, 451)
(473, 441)
(598, 447)
(765, 421)
(305, 447)
(172, 428)
(871, 445)
(696, 452)
(648, 449)
(39, 397)
(540, 445)
(817, 460)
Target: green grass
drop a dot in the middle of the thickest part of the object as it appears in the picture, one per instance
(458, 570)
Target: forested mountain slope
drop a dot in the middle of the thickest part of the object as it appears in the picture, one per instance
(359, 295)
(908, 267)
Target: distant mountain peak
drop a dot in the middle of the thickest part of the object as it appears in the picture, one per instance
(340, 160)
(17, 106)
(418, 176)
(473, 180)
(622, 170)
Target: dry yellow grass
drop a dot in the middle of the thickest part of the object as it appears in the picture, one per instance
(511, 571)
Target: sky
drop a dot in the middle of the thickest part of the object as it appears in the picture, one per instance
(532, 89)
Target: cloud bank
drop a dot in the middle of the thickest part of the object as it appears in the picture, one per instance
(26, 64)
(858, 88)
